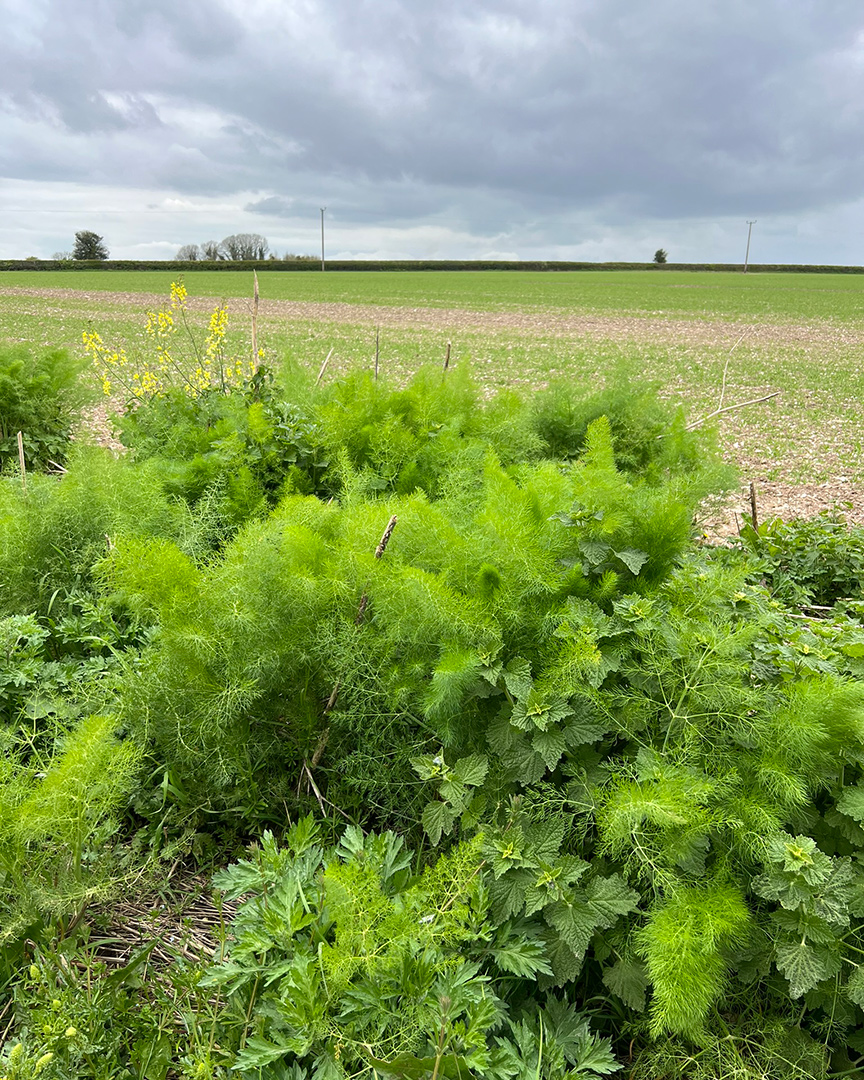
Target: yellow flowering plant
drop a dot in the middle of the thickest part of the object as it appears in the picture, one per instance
(180, 361)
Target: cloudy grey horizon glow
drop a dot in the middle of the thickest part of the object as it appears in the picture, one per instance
(556, 129)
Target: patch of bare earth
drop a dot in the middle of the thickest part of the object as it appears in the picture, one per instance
(774, 498)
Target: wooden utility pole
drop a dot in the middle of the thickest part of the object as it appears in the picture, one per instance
(323, 208)
(750, 225)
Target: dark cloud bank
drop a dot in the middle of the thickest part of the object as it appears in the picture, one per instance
(549, 128)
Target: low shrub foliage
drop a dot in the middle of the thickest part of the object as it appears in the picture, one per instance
(40, 396)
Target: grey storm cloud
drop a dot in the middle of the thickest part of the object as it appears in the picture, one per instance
(412, 112)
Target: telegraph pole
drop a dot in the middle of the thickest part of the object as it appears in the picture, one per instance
(323, 208)
(750, 225)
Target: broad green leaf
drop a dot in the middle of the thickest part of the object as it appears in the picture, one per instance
(153, 1056)
(550, 745)
(472, 770)
(608, 898)
(574, 921)
(805, 966)
(855, 986)
(507, 894)
(517, 678)
(634, 560)
(851, 802)
(566, 965)
(628, 979)
(438, 818)
(408, 1067)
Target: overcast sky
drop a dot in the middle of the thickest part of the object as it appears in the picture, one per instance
(518, 129)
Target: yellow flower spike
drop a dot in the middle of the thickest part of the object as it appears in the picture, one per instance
(46, 1059)
(178, 294)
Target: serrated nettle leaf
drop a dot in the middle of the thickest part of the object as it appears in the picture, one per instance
(507, 893)
(805, 966)
(594, 552)
(543, 839)
(438, 818)
(471, 770)
(506, 857)
(855, 986)
(579, 730)
(628, 979)
(566, 965)
(550, 745)
(574, 922)
(501, 735)
(517, 678)
(851, 802)
(804, 925)
(608, 898)
(454, 792)
(523, 763)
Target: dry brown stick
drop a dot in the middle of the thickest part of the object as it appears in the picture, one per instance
(321, 799)
(379, 551)
(255, 361)
(754, 519)
(447, 357)
(361, 612)
(22, 462)
(314, 786)
(323, 367)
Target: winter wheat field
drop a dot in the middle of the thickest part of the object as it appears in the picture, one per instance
(708, 340)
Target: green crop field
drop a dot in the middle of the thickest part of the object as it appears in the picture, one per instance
(673, 294)
(799, 334)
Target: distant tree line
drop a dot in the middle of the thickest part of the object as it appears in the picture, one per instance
(239, 247)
